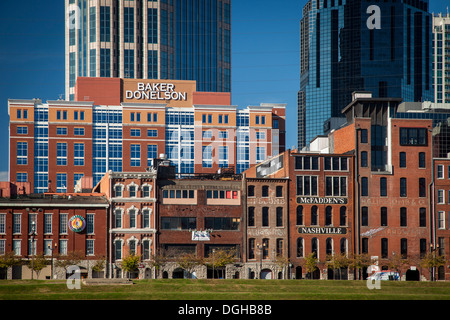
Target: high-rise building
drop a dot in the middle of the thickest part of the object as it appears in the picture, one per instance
(149, 39)
(384, 47)
(121, 125)
(441, 49)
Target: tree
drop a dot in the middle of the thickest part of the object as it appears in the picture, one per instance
(338, 262)
(397, 263)
(158, 261)
(131, 263)
(188, 262)
(39, 263)
(72, 258)
(360, 261)
(282, 262)
(99, 265)
(9, 259)
(431, 260)
(311, 264)
(220, 258)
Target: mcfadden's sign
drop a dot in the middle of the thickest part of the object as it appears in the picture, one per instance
(321, 200)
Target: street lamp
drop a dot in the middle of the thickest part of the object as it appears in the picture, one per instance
(261, 248)
(433, 248)
(51, 248)
(33, 233)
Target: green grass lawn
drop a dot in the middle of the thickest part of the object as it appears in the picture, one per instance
(225, 290)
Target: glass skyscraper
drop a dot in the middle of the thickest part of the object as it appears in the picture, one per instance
(150, 39)
(347, 46)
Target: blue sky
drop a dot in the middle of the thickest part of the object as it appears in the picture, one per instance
(265, 55)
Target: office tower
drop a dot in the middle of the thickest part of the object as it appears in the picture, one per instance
(348, 46)
(121, 125)
(149, 39)
(441, 68)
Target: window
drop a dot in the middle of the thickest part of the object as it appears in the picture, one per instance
(365, 216)
(403, 188)
(146, 191)
(413, 136)
(135, 155)
(152, 153)
(336, 186)
(90, 223)
(22, 130)
(207, 134)
(47, 223)
(118, 218)
(384, 217)
(118, 190)
(279, 217)
(61, 154)
(265, 191)
(223, 134)
(207, 156)
(440, 171)
(383, 187)
(260, 154)
(223, 157)
(328, 216)
(177, 223)
(307, 185)
(146, 249)
(260, 135)
(265, 216)
(151, 133)
(78, 154)
(307, 163)
(422, 160)
(78, 131)
(251, 191)
(441, 220)
(63, 219)
(314, 216)
(63, 247)
(299, 216)
(132, 218)
(422, 187)
(22, 177)
(422, 217)
(300, 251)
(135, 132)
(279, 191)
(222, 223)
(22, 153)
(17, 223)
(251, 217)
(403, 217)
(251, 248)
(61, 182)
(364, 136)
(343, 216)
(384, 248)
(2, 223)
(265, 248)
(61, 131)
(133, 191)
(404, 248)
(402, 160)
(90, 247)
(364, 161)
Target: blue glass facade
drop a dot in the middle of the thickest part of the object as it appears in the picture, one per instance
(185, 40)
(341, 54)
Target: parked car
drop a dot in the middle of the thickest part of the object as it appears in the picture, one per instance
(385, 275)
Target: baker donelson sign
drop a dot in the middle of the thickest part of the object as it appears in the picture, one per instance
(155, 91)
(321, 200)
(320, 230)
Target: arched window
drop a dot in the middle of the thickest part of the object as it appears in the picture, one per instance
(343, 216)
(314, 216)
(343, 246)
(329, 216)
(299, 247)
(315, 247)
(300, 215)
(329, 246)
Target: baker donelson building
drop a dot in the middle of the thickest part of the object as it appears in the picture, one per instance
(123, 124)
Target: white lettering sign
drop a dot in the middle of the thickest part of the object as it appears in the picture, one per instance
(156, 91)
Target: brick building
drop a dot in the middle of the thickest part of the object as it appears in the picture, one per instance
(392, 176)
(200, 216)
(47, 219)
(132, 223)
(120, 125)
